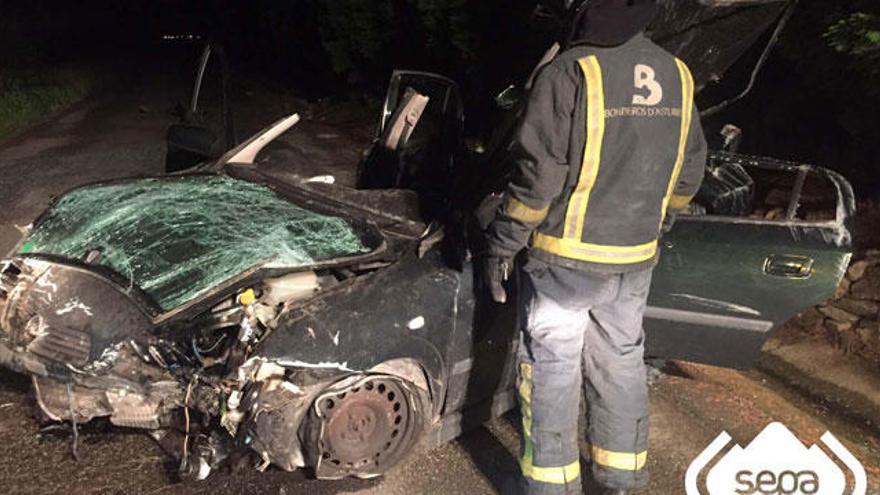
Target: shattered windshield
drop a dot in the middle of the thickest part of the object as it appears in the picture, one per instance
(178, 237)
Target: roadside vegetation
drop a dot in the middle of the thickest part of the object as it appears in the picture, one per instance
(29, 95)
(31, 85)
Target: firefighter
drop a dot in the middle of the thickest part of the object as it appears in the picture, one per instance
(609, 145)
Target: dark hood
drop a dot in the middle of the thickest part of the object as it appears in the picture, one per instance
(710, 35)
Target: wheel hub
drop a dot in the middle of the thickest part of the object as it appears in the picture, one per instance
(366, 427)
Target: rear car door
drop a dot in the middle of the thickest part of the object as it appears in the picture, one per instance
(765, 240)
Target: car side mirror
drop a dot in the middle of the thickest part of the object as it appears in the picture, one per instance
(509, 98)
(189, 145)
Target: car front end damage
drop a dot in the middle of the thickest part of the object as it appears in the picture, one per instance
(94, 351)
(56, 328)
(141, 348)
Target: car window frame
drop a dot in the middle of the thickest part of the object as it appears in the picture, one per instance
(845, 201)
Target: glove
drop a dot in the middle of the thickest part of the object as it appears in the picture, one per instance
(495, 271)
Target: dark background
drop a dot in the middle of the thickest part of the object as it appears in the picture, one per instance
(816, 99)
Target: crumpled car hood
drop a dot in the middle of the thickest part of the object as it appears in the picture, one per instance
(177, 237)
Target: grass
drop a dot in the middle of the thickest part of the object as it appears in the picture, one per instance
(28, 95)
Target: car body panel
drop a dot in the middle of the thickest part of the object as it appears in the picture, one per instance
(712, 273)
(404, 311)
(57, 311)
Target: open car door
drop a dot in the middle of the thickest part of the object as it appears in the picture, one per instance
(765, 240)
(193, 141)
(418, 140)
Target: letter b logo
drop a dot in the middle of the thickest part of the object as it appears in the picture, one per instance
(645, 79)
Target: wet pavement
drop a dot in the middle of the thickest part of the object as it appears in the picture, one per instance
(120, 134)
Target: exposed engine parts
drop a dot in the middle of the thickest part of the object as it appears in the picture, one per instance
(183, 379)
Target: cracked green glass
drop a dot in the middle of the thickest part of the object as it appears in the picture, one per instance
(178, 237)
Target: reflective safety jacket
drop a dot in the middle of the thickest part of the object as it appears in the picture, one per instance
(610, 139)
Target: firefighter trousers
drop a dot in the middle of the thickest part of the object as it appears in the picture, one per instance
(582, 329)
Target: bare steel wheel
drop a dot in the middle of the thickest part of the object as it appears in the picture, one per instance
(365, 425)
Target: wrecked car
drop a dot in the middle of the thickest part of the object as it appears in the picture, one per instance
(244, 307)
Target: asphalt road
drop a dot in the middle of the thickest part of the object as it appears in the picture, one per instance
(120, 133)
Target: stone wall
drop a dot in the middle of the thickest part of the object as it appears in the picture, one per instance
(851, 319)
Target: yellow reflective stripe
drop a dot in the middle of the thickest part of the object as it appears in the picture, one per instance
(619, 460)
(522, 212)
(555, 475)
(595, 253)
(580, 198)
(525, 388)
(678, 201)
(687, 106)
(525, 402)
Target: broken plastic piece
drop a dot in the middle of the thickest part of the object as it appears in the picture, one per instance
(322, 179)
(247, 151)
(289, 287)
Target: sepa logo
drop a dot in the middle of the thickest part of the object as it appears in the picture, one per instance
(776, 463)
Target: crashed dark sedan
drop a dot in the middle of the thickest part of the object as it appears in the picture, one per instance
(246, 308)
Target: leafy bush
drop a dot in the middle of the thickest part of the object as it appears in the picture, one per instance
(857, 37)
(856, 34)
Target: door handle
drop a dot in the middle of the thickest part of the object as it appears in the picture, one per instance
(788, 266)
